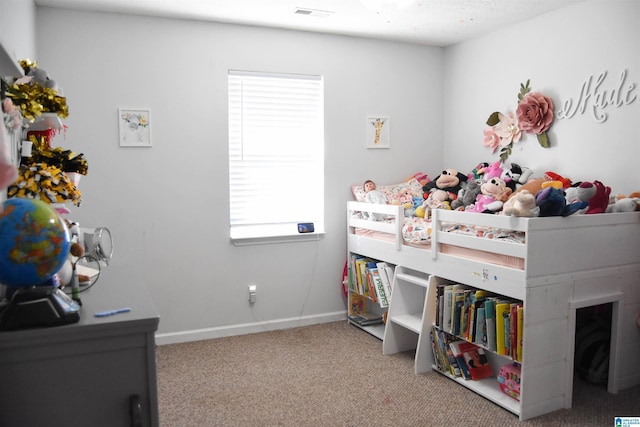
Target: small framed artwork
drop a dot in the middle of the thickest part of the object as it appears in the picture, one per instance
(135, 127)
(378, 132)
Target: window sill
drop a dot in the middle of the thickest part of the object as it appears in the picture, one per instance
(267, 240)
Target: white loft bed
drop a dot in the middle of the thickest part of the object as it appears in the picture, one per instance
(566, 264)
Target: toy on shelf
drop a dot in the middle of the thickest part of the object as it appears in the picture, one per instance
(509, 380)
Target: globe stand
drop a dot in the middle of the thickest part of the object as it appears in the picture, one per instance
(39, 306)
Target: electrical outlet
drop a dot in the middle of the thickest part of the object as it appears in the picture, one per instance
(252, 293)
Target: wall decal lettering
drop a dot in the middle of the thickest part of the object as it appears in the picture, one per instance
(596, 95)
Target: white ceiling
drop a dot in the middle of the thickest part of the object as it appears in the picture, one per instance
(428, 22)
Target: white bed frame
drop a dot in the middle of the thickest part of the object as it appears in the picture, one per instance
(569, 263)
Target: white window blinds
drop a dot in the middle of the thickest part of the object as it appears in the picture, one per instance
(276, 153)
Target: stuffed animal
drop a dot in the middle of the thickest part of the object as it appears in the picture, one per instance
(494, 193)
(405, 198)
(477, 172)
(422, 178)
(522, 204)
(437, 199)
(580, 193)
(600, 200)
(552, 202)
(450, 181)
(516, 175)
(552, 176)
(467, 194)
(494, 170)
(532, 186)
(624, 204)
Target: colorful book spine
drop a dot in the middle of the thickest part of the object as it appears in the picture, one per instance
(465, 326)
(502, 311)
(457, 312)
(513, 330)
(386, 280)
(490, 315)
(462, 364)
(481, 328)
(440, 304)
(446, 315)
(381, 295)
(476, 360)
(520, 316)
(357, 304)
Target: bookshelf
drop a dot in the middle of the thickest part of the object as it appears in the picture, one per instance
(489, 388)
(553, 283)
(369, 292)
(407, 328)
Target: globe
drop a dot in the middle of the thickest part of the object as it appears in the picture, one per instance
(34, 242)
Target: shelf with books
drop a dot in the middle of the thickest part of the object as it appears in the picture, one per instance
(369, 286)
(405, 328)
(467, 343)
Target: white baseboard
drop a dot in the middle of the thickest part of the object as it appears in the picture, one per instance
(247, 328)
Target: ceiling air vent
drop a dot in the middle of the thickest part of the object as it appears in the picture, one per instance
(311, 12)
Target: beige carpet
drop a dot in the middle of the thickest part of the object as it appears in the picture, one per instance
(336, 375)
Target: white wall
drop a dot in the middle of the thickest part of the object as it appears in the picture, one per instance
(167, 206)
(17, 35)
(558, 51)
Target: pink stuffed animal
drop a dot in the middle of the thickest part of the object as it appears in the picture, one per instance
(494, 193)
(494, 170)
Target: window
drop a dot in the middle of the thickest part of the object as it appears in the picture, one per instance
(276, 154)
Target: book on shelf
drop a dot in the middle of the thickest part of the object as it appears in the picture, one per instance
(465, 318)
(451, 292)
(476, 361)
(445, 359)
(457, 312)
(490, 316)
(352, 274)
(435, 349)
(386, 275)
(507, 334)
(446, 309)
(361, 276)
(454, 368)
(520, 328)
(357, 303)
(355, 273)
(366, 319)
(381, 295)
(477, 301)
(481, 328)
(458, 354)
(502, 318)
(440, 304)
(513, 330)
(371, 292)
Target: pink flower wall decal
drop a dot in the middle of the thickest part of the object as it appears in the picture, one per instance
(534, 115)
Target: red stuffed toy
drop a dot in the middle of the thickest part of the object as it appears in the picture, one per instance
(600, 200)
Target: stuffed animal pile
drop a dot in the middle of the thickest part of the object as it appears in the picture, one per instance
(514, 190)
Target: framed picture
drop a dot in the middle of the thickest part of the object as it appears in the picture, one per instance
(135, 127)
(378, 132)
